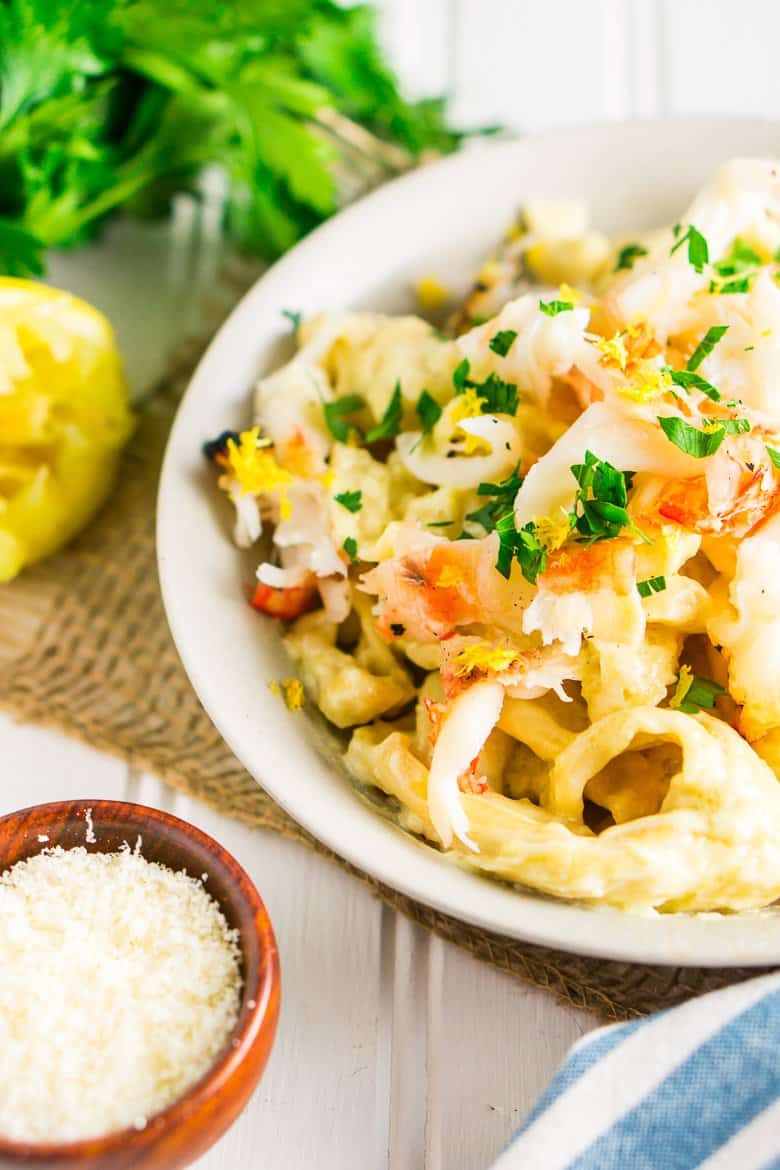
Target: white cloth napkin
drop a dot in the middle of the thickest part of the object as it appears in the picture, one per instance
(693, 1088)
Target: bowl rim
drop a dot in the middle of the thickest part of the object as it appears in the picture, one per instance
(705, 940)
(248, 1030)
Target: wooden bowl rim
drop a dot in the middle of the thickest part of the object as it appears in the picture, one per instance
(248, 1030)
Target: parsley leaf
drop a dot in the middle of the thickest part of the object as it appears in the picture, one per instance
(523, 546)
(503, 494)
(503, 341)
(693, 694)
(123, 103)
(698, 250)
(600, 503)
(350, 548)
(336, 414)
(352, 501)
(20, 252)
(553, 308)
(690, 380)
(740, 284)
(460, 375)
(428, 411)
(701, 443)
(773, 455)
(629, 255)
(736, 269)
(651, 585)
(294, 318)
(390, 423)
(499, 397)
(508, 487)
(706, 346)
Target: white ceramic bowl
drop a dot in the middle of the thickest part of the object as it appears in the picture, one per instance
(440, 219)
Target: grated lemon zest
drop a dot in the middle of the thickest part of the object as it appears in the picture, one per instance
(256, 469)
(483, 656)
(573, 295)
(553, 531)
(449, 576)
(684, 684)
(469, 405)
(614, 351)
(647, 382)
(291, 689)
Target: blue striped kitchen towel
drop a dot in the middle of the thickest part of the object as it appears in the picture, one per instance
(697, 1086)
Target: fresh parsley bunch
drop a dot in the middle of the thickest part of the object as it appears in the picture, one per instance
(108, 104)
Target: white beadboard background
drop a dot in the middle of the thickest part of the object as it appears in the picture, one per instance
(531, 64)
(395, 1051)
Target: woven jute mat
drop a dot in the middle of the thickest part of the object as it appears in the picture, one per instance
(85, 649)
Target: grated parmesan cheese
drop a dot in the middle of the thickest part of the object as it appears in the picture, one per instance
(119, 985)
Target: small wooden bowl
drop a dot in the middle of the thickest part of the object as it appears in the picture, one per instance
(186, 1129)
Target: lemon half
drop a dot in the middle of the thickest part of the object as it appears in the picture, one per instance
(64, 417)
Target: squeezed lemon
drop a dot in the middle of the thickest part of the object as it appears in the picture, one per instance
(64, 417)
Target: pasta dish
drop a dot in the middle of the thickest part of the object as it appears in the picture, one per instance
(528, 558)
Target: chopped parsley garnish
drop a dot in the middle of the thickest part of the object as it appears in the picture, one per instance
(294, 318)
(553, 308)
(702, 443)
(693, 694)
(503, 494)
(628, 256)
(706, 346)
(773, 455)
(599, 514)
(336, 415)
(740, 284)
(508, 487)
(499, 397)
(600, 504)
(439, 523)
(352, 501)
(390, 423)
(735, 271)
(524, 546)
(690, 380)
(503, 341)
(350, 548)
(698, 251)
(429, 412)
(651, 585)
(460, 375)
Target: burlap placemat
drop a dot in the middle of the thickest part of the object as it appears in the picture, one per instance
(85, 648)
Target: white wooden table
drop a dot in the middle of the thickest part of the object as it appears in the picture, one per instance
(395, 1051)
